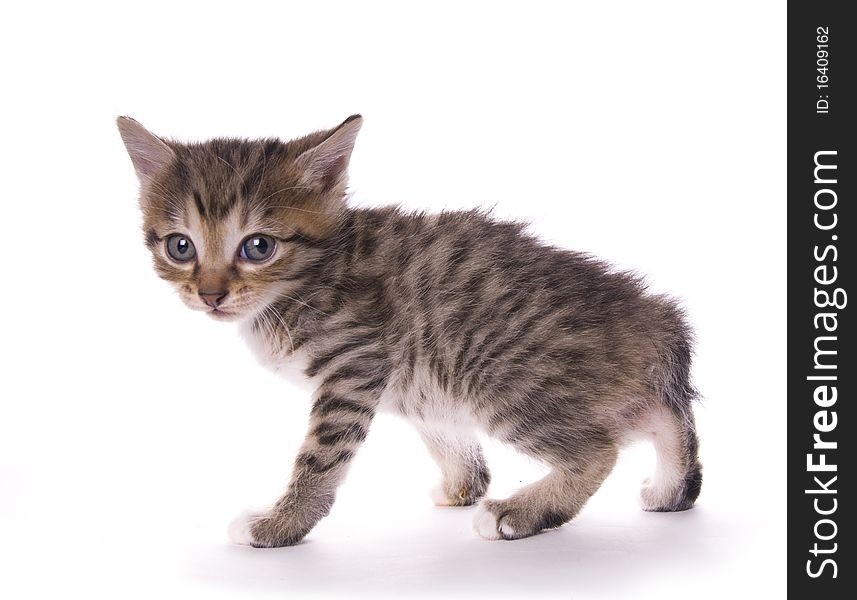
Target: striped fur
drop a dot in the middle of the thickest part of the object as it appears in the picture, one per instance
(457, 322)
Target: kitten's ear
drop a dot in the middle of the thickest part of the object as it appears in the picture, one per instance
(324, 166)
(148, 152)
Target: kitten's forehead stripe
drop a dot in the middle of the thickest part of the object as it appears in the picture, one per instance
(200, 207)
(231, 199)
(245, 215)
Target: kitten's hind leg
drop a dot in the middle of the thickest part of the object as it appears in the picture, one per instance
(465, 474)
(678, 475)
(669, 423)
(547, 503)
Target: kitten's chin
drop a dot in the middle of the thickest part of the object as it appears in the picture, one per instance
(224, 315)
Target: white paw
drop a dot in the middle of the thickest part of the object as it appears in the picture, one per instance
(439, 497)
(655, 495)
(507, 530)
(239, 528)
(648, 497)
(485, 524)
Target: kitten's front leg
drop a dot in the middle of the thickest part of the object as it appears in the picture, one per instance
(339, 423)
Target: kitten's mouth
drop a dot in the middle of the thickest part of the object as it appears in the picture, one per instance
(222, 315)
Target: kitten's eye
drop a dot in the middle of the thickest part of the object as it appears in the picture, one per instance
(180, 248)
(257, 247)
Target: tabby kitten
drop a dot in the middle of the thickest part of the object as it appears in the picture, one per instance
(453, 321)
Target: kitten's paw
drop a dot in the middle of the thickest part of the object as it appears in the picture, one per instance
(263, 530)
(510, 520)
(439, 496)
(492, 524)
(451, 495)
(648, 495)
(485, 524)
(445, 494)
(659, 497)
(239, 528)
(462, 492)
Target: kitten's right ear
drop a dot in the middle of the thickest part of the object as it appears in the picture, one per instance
(148, 152)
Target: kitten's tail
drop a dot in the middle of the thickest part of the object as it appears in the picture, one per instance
(678, 480)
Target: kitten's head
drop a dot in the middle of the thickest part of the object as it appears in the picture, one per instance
(227, 220)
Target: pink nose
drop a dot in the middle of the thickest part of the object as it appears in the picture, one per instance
(213, 299)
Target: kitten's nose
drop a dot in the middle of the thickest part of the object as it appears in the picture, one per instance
(213, 299)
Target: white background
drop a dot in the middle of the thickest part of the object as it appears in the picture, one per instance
(132, 430)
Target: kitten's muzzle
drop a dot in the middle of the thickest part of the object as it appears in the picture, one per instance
(213, 298)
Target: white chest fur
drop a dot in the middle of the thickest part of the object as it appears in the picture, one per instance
(421, 401)
(281, 360)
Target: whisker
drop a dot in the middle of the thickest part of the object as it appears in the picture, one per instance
(285, 189)
(223, 160)
(302, 303)
(306, 210)
(285, 327)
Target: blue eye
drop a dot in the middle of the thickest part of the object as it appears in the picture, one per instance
(257, 248)
(180, 248)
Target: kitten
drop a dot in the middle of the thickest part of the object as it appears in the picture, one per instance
(453, 321)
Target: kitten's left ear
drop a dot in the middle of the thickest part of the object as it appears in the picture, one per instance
(324, 166)
(148, 152)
